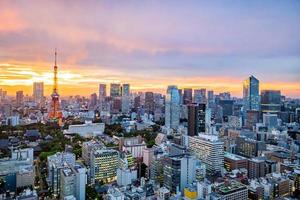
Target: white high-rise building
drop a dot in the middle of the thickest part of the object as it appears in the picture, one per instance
(55, 164)
(209, 149)
(72, 182)
(126, 176)
(270, 120)
(87, 148)
(80, 181)
(172, 110)
(67, 183)
(38, 91)
(179, 172)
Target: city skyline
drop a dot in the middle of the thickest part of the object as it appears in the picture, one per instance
(208, 45)
(68, 90)
(149, 100)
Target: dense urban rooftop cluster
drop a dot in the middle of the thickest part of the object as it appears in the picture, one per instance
(185, 144)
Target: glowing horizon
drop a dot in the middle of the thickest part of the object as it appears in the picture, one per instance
(77, 82)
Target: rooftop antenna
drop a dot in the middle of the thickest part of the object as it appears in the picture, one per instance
(55, 57)
(55, 73)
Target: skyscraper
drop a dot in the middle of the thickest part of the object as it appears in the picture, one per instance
(55, 164)
(72, 182)
(19, 98)
(179, 172)
(209, 149)
(252, 118)
(210, 98)
(93, 100)
(172, 107)
(270, 101)
(200, 95)
(187, 95)
(251, 94)
(224, 96)
(227, 107)
(102, 95)
(149, 102)
(125, 98)
(102, 91)
(196, 118)
(137, 103)
(115, 89)
(38, 91)
(181, 96)
(125, 90)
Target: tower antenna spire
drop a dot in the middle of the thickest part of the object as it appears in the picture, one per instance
(55, 73)
(55, 57)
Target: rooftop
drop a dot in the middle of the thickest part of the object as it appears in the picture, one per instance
(67, 172)
(233, 156)
(32, 133)
(230, 187)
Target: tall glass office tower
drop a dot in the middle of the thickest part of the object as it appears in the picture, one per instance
(115, 90)
(125, 98)
(251, 94)
(172, 107)
(125, 90)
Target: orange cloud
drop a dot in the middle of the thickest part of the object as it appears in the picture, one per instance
(10, 21)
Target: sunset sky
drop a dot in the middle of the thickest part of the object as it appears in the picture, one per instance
(150, 44)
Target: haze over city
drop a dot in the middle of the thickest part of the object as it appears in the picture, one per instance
(197, 44)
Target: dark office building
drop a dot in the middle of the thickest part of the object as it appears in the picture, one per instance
(117, 105)
(270, 101)
(256, 168)
(149, 102)
(180, 95)
(252, 118)
(237, 109)
(287, 116)
(196, 118)
(227, 106)
(137, 103)
(270, 166)
(187, 96)
(248, 147)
